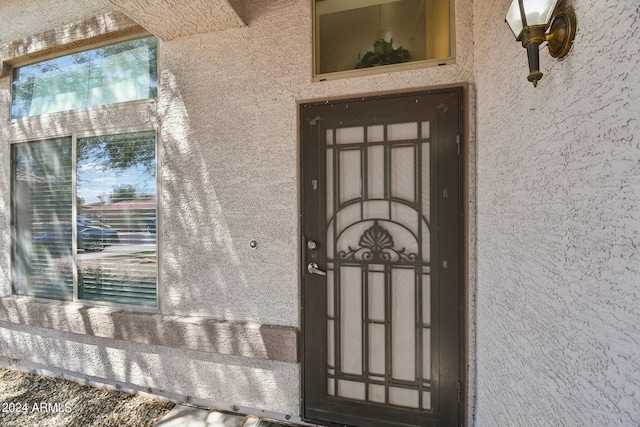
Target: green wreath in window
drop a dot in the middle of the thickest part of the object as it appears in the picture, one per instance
(383, 54)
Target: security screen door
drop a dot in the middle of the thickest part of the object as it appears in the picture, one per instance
(381, 219)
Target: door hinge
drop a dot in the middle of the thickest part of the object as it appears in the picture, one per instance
(458, 142)
(459, 389)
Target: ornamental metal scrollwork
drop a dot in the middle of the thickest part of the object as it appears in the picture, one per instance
(376, 245)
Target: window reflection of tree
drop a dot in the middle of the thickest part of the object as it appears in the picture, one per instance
(83, 72)
(119, 152)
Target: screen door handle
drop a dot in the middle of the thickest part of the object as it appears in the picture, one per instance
(312, 268)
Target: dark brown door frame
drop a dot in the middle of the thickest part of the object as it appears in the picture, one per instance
(463, 224)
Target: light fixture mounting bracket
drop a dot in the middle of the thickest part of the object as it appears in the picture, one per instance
(561, 33)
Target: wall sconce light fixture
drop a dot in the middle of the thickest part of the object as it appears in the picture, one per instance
(530, 19)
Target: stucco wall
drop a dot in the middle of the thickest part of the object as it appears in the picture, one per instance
(558, 185)
(227, 117)
(220, 380)
(229, 122)
(23, 18)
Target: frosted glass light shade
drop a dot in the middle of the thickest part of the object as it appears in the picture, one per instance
(537, 12)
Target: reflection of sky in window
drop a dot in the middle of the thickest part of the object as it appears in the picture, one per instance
(120, 72)
(94, 181)
(107, 162)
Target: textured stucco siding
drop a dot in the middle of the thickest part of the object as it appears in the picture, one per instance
(226, 381)
(22, 18)
(230, 158)
(170, 19)
(558, 224)
(226, 114)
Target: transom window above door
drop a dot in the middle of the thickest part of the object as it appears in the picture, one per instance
(359, 37)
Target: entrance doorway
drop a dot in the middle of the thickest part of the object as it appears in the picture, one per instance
(381, 279)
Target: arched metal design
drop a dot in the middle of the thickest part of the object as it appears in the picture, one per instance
(378, 263)
(377, 245)
(397, 218)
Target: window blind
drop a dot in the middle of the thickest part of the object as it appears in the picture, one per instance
(115, 226)
(42, 214)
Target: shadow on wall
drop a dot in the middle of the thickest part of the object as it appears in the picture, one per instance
(194, 375)
(203, 272)
(218, 192)
(226, 181)
(189, 356)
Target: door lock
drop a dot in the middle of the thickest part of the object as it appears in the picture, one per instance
(312, 268)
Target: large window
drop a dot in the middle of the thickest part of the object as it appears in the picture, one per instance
(360, 36)
(124, 71)
(84, 218)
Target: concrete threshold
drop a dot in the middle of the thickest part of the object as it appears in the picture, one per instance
(189, 416)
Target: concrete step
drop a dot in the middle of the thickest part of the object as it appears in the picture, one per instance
(189, 416)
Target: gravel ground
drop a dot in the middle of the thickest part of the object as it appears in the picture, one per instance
(40, 401)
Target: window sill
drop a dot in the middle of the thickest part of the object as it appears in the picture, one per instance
(243, 339)
(361, 72)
